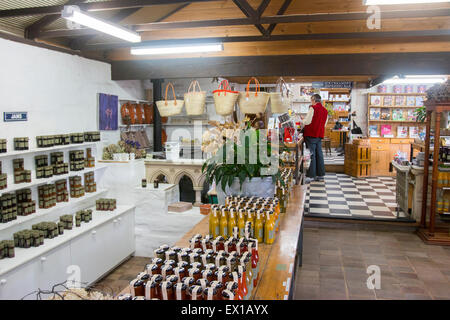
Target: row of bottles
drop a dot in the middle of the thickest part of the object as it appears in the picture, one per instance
(443, 201)
(443, 179)
(210, 269)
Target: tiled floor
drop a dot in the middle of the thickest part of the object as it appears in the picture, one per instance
(332, 158)
(336, 257)
(340, 195)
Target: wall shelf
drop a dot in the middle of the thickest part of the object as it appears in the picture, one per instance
(41, 150)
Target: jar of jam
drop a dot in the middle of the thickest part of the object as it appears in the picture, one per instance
(183, 256)
(203, 283)
(170, 263)
(171, 255)
(144, 277)
(195, 243)
(208, 275)
(187, 250)
(164, 247)
(180, 291)
(210, 294)
(195, 273)
(198, 251)
(166, 290)
(241, 246)
(196, 292)
(152, 290)
(152, 269)
(196, 265)
(176, 249)
(231, 263)
(218, 285)
(210, 266)
(224, 268)
(189, 281)
(227, 295)
(180, 272)
(158, 261)
(166, 270)
(173, 278)
(222, 276)
(230, 245)
(157, 278)
(220, 243)
(206, 244)
(160, 253)
(220, 261)
(194, 257)
(183, 264)
(206, 258)
(209, 251)
(137, 288)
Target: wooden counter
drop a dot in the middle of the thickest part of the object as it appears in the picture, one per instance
(277, 262)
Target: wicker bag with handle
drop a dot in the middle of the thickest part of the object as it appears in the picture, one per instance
(169, 108)
(224, 99)
(253, 103)
(195, 100)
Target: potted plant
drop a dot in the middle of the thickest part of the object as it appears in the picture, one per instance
(245, 170)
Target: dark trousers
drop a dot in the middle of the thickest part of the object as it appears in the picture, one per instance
(317, 166)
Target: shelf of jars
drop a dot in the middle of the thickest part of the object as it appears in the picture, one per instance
(54, 148)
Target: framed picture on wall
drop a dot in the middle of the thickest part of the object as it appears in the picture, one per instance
(108, 112)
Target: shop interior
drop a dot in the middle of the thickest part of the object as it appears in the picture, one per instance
(109, 140)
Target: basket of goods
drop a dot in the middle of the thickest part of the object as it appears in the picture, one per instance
(253, 103)
(224, 99)
(169, 108)
(195, 100)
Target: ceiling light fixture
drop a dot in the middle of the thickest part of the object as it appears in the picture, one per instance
(195, 48)
(387, 2)
(74, 14)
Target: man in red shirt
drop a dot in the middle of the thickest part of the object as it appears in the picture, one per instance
(315, 123)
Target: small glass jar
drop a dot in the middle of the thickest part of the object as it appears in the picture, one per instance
(194, 257)
(164, 247)
(222, 276)
(182, 256)
(180, 291)
(195, 273)
(157, 278)
(227, 295)
(180, 272)
(152, 290)
(160, 253)
(166, 270)
(183, 264)
(158, 261)
(217, 285)
(171, 255)
(208, 275)
(170, 263)
(189, 281)
(210, 266)
(196, 265)
(198, 251)
(196, 292)
(204, 283)
(173, 278)
(138, 288)
(144, 277)
(211, 294)
(166, 290)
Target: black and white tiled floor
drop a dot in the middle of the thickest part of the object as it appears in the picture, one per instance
(340, 195)
(332, 158)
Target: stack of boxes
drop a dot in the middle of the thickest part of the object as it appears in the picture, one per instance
(62, 195)
(43, 170)
(57, 161)
(2, 145)
(105, 205)
(8, 207)
(21, 144)
(92, 136)
(77, 137)
(89, 182)
(76, 158)
(25, 205)
(20, 174)
(47, 196)
(90, 160)
(76, 188)
(3, 179)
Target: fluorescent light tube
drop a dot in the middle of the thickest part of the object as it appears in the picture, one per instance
(386, 2)
(74, 14)
(213, 47)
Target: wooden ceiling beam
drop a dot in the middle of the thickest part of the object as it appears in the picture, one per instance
(247, 9)
(280, 12)
(262, 7)
(92, 6)
(314, 36)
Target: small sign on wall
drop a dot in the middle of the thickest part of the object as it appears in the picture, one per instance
(15, 116)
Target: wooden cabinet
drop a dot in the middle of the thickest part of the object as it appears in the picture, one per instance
(383, 151)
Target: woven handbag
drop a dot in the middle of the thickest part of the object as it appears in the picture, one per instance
(280, 101)
(195, 100)
(169, 108)
(224, 99)
(253, 103)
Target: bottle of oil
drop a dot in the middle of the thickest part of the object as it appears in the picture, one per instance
(241, 223)
(269, 230)
(259, 227)
(214, 230)
(223, 224)
(231, 222)
(251, 219)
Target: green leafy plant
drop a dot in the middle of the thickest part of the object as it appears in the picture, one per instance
(330, 109)
(223, 169)
(421, 114)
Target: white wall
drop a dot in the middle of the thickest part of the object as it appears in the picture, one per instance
(59, 91)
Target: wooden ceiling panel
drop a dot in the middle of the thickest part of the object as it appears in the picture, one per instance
(308, 47)
(208, 10)
(149, 14)
(300, 79)
(360, 26)
(330, 6)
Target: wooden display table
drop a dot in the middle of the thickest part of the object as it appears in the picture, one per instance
(277, 262)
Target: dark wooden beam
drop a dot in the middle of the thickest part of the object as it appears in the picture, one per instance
(262, 7)
(313, 36)
(247, 9)
(92, 6)
(280, 12)
(32, 31)
(293, 65)
(293, 18)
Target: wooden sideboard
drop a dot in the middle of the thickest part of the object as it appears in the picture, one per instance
(383, 150)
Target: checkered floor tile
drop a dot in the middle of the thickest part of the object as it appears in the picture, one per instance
(340, 195)
(332, 158)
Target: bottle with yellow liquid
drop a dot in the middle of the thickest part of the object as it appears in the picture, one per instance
(269, 230)
(259, 227)
(231, 222)
(241, 223)
(251, 219)
(214, 224)
(223, 224)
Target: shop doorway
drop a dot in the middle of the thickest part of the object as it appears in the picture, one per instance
(186, 187)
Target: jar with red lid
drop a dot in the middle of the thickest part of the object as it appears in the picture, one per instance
(180, 272)
(180, 291)
(166, 290)
(183, 264)
(170, 263)
(210, 294)
(152, 290)
(227, 295)
(196, 292)
(189, 281)
(166, 270)
(195, 273)
(203, 283)
(182, 256)
(171, 255)
(222, 276)
(152, 269)
(218, 285)
(208, 275)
